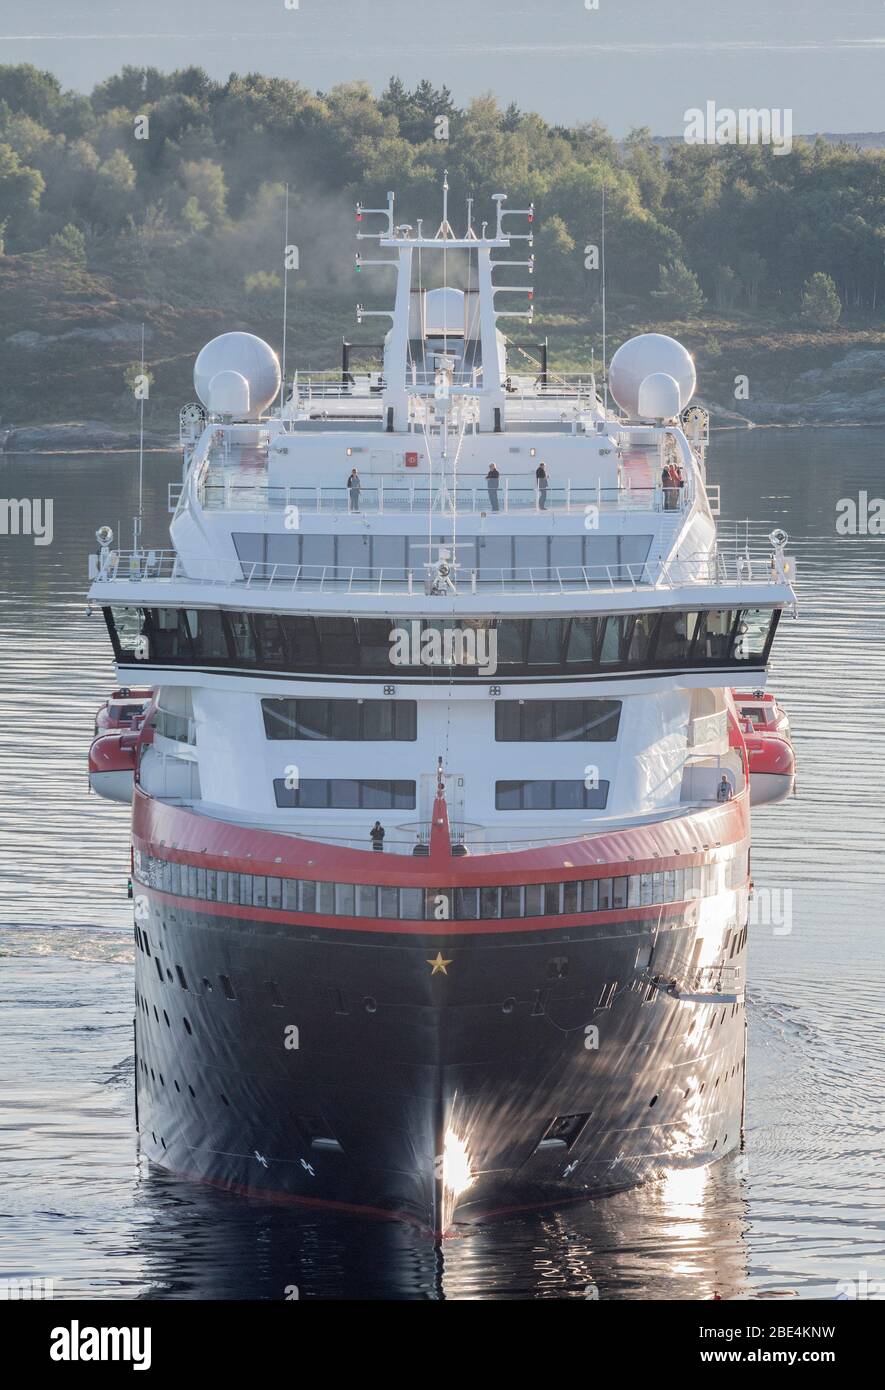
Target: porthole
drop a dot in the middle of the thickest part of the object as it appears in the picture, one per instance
(166, 1017)
(370, 1005)
(187, 1026)
(509, 1005)
(225, 1099)
(653, 1101)
(192, 1091)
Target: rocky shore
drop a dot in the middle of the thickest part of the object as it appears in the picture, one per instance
(847, 391)
(82, 436)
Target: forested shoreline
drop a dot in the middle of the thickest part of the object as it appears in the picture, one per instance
(157, 200)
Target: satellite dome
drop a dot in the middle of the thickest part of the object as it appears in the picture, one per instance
(651, 355)
(237, 355)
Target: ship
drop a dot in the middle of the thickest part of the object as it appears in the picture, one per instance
(441, 719)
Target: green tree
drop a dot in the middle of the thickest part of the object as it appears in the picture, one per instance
(679, 294)
(203, 182)
(821, 305)
(726, 286)
(68, 245)
(30, 92)
(21, 188)
(751, 269)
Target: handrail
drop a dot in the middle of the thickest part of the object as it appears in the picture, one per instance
(705, 569)
(396, 493)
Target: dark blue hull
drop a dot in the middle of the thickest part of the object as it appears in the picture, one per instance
(330, 1066)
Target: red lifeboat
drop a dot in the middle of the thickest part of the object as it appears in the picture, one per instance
(764, 730)
(126, 709)
(771, 763)
(763, 712)
(112, 759)
(119, 728)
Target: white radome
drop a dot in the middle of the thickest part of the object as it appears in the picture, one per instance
(650, 355)
(237, 355)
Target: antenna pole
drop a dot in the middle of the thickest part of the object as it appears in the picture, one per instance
(604, 359)
(140, 518)
(285, 298)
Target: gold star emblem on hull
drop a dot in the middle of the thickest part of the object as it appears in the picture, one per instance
(439, 965)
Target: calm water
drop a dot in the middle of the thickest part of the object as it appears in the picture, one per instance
(800, 1210)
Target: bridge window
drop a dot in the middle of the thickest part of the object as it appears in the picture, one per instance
(249, 641)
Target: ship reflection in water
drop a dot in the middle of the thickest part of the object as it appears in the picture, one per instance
(680, 1237)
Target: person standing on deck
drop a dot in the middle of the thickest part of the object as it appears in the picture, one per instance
(541, 481)
(723, 791)
(376, 835)
(493, 477)
(353, 490)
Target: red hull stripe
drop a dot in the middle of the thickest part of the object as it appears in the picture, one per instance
(173, 832)
(657, 914)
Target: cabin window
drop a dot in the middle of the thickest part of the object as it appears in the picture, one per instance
(548, 795)
(557, 721)
(602, 894)
(346, 794)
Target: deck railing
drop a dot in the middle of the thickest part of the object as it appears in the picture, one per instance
(396, 494)
(166, 566)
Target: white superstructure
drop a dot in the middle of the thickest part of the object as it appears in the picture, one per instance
(558, 647)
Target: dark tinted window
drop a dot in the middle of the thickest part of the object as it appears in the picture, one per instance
(553, 795)
(561, 721)
(516, 645)
(345, 720)
(346, 793)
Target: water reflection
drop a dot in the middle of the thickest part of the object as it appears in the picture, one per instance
(680, 1238)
